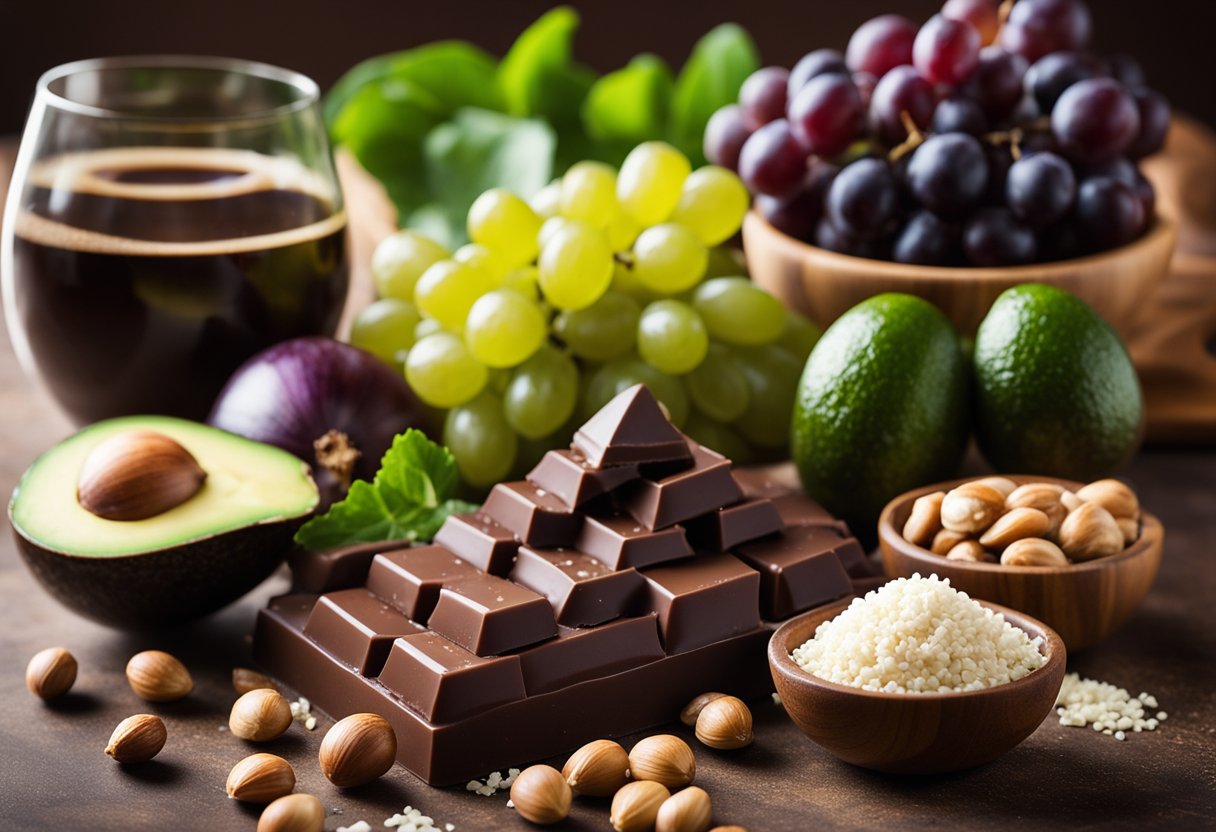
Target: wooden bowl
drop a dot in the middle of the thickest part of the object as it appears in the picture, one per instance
(916, 733)
(1083, 602)
(824, 285)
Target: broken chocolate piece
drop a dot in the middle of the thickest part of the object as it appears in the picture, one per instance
(537, 517)
(583, 591)
(579, 654)
(488, 615)
(799, 510)
(620, 541)
(630, 428)
(799, 569)
(357, 627)
(480, 540)
(704, 487)
(410, 579)
(727, 527)
(568, 475)
(702, 600)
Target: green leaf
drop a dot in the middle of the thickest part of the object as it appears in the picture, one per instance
(630, 104)
(537, 77)
(717, 67)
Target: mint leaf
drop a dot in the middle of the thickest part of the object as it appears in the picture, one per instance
(409, 498)
(534, 71)
(631, 104)
(717, 67)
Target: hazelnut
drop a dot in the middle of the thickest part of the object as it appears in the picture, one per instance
(1090, 532)
(1014, 525)
(137, 474)
(1130, 529)
(597, 769)
(541, 795)
(972, 508)
(665, 759)
(731, 828)
(259, 715)
(1002, 484)
(725, 723)
(245, 680)
(1033, 551)
(926, 518)
(1114, 496)
(1041, 495)
(945, 540)
(156, 676)
(1070, 501)
(260, 778)
(693, 709)
(689, 810)
(636, 806)
(357, 750)
(970, 551)
(293, 813)
(51, 673)
(137, 739)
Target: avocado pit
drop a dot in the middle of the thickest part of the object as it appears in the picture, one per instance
(137, 474)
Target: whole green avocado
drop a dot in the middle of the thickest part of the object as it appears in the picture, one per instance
(882, 407)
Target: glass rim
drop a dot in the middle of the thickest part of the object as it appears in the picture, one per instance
(308, 93)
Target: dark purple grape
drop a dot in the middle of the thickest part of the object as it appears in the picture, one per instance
(865, 83)
(983, 16)
(1154, 123)
(813, 64)
(1121, 169)
(827, 114)
(1025, 112)
(1108, 213)
(946, 51)
(725, 134)
(959, 115)
(901, 90)
(799, 214)
(1095, 120)
(999, 158)
(1127, 71)
(1040, 188)
(1039, 141)
(948, 173)
(829, 237)
(1060, 241)
(1037, 27)
(997, 82)
(1050, 75)
(926, 240)
(994, 237)
(863, 199)
(762, 95)
(771, 161)
(881, 44)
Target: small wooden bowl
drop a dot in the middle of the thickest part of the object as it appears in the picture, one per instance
(1083, 602)
(824, 285)
(914, 733)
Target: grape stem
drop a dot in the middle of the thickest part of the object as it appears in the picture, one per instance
(1002, 14)
(1016, 135)
(625, 258)
(915, 138)
(338, 455)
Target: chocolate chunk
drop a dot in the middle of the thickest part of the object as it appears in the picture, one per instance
(568, 475)
(726, 527)
(799, 510)
(583, 591)
(630, 428)
(702, 600)
(854, 560)
(863, 585)
(538, 517)
(799, 569)
(357, 628)
(487, 615)
(332, 569)
(620, 541)
(480, 540)
(444, 682)
(704, 487)
(577, 655)
(410, 579)
(767, 482)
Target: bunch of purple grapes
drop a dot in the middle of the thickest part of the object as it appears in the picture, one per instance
(989, 137)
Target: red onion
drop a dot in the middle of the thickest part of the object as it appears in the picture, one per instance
(321, 399)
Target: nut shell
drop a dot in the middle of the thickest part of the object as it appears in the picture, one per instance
(245, 680)
(137, 474)
(1033, 551)
(636, 806)
(541, 795)
(1015, 524)
(725, 723)
(357, 750)
(664, 759)
(259, 716)
(597, 769)
(137, 739)
(925, 520)
(689, 810)
(972, 507)
(156, 676)
(693, 709)
(51, 673)
(260, 778)
(1090, 532)
(293, 813)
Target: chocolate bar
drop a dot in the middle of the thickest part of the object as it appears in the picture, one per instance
(444, 682)
(582, 590)
(357, 627)
(799, 569)
(410, 579)
(620, 541)
(724, 528)
(706, 599)
(487, 615)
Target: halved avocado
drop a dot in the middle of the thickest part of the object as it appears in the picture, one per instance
(177, 565)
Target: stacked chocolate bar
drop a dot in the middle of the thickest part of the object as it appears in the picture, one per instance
(623, 577)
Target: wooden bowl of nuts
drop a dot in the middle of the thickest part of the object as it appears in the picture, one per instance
(1078, 557)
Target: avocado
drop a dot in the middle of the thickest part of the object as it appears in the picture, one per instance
(216, 544)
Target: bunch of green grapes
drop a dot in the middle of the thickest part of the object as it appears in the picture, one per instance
(603, 280)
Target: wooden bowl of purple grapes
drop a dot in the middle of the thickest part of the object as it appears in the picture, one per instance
(980, 150)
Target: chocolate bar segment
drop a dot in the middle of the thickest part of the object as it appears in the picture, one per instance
(704, 487)
(410, 579)
(583, 591)
(727, 527)
(703, 600)
(480, 540)
(568, 475)
(444, 682)
(332, 569)
(630, 428)
(487, 615)
(357, 628)
(620, 541)
(767, 481)
(798, 510)
(536, 516)
(799, 569)
(579, 654)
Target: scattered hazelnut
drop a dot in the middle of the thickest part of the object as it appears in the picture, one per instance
(693, 709)
(156, 676)
(1130, 529)
(731, 828)
(597, 769)
(1090, 532)
(51, 673)
(357, 750)
(1033, 551)
(293, 813)
(636, 806)
(969, 550)
(971, 508)
(1014, 525)
(689, 810)
(1041, 495)
(260, 778)
(541, 795)
(137, 474)
(245, 680)
(137, 739)
(665, 759)
(926, 518)
(725, 723)
(945, 540)
(259, 715)
(1002, 484)
(1114, 496)
(1070, 501)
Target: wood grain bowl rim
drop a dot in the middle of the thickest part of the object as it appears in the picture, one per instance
(1152, 535)
(809, 685)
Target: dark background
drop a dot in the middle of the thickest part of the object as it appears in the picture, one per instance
(1172, 38)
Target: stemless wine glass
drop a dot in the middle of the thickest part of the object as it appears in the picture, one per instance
(168, 217)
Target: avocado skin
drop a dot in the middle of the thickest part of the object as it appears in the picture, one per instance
(164, 587)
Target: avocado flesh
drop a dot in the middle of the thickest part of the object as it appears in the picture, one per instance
(248, 484)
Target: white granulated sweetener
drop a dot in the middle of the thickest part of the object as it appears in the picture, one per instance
(919, 635)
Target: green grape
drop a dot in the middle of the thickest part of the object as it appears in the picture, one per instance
(480, 257)
(504, 328)
(589, 194)
(400, 260)
(672, 336)
(602, 331)
(738, 311)
(717, 387)
(625, 280)
(575, 266)
(479, 437)
(548, 228)
(650, 181)
(447, 290)
(772, 378)
(523, 280)
(621, 374)
(622, 231)
(386, 329)
(542, 393)
(503, 223)
(725, 261)
(547, 202)
(443, 372)
(668, 259)
(712, 204)
(425, 327)
(718, 437)
(799, 335)
(497, 379)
